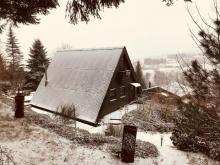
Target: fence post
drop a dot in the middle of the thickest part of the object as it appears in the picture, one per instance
(128, 144)
(19, 105)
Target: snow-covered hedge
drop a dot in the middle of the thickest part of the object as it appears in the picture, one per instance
(152, 117)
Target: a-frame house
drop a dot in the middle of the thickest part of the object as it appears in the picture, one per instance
(96, 81)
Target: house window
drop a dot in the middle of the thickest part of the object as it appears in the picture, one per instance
(112, 93)
(128, 73)
(124, 76)
(122, 91)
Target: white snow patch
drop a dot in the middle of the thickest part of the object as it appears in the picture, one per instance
(114, 118)
(164, 94)
(177, 88)
(169, 155)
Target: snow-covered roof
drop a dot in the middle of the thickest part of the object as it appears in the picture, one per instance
(79, 77)
(136, 84)
(177, 89)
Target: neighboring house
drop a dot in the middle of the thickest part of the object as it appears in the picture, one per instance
(160, 95)
(96, 81)
(168, 94)
(178, 89)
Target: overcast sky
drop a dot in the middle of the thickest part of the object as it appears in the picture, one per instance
(148, 28)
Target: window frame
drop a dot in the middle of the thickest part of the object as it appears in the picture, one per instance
(112, 94)
(122, 91)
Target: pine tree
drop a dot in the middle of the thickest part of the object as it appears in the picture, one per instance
(14, 58)
(198, 126)
(26, 11)
(37, 64)
(139, 74)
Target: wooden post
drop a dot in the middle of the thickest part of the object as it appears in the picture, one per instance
(161, 140)
(19, 105)
(128, 143)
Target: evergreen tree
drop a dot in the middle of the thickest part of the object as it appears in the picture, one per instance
(26, 11)
(139, 74)
(198, 126)
(15, 58)
(37, 64)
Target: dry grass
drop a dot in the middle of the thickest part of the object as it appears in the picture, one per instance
(12, 128)
(5, 157)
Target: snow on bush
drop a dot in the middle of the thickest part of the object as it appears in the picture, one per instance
(65, 113)
(152, 117)
(197, 130)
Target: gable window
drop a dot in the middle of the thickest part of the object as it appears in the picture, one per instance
(128, 73)
(112, 93)
(124, 76)
(122, 91)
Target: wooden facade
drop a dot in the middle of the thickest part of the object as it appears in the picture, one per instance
(121, 91)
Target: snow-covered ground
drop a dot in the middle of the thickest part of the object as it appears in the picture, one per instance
(32, 145)
(169, 155)
(178, 89)
(29, 144)
(27, 99)
(105, 121)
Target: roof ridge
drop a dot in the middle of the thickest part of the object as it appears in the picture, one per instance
(91, 49)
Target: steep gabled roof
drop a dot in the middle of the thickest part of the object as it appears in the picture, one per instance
(79, 77)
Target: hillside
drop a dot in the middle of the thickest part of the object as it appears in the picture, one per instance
(37, 139)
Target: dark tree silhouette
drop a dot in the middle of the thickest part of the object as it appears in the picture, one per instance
(139, 74)
(37, 64)
(14, 58)
(198, 127)
(3, 69)
(26, 11)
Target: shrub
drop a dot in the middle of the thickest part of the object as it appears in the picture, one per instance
(197, 129)
(152, 117)
(66, 114)
(114, 130)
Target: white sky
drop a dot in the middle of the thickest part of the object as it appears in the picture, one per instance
(148, 28)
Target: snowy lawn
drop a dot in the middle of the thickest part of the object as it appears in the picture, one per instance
(31, 144)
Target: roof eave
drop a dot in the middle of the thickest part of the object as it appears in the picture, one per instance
(77, 119)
